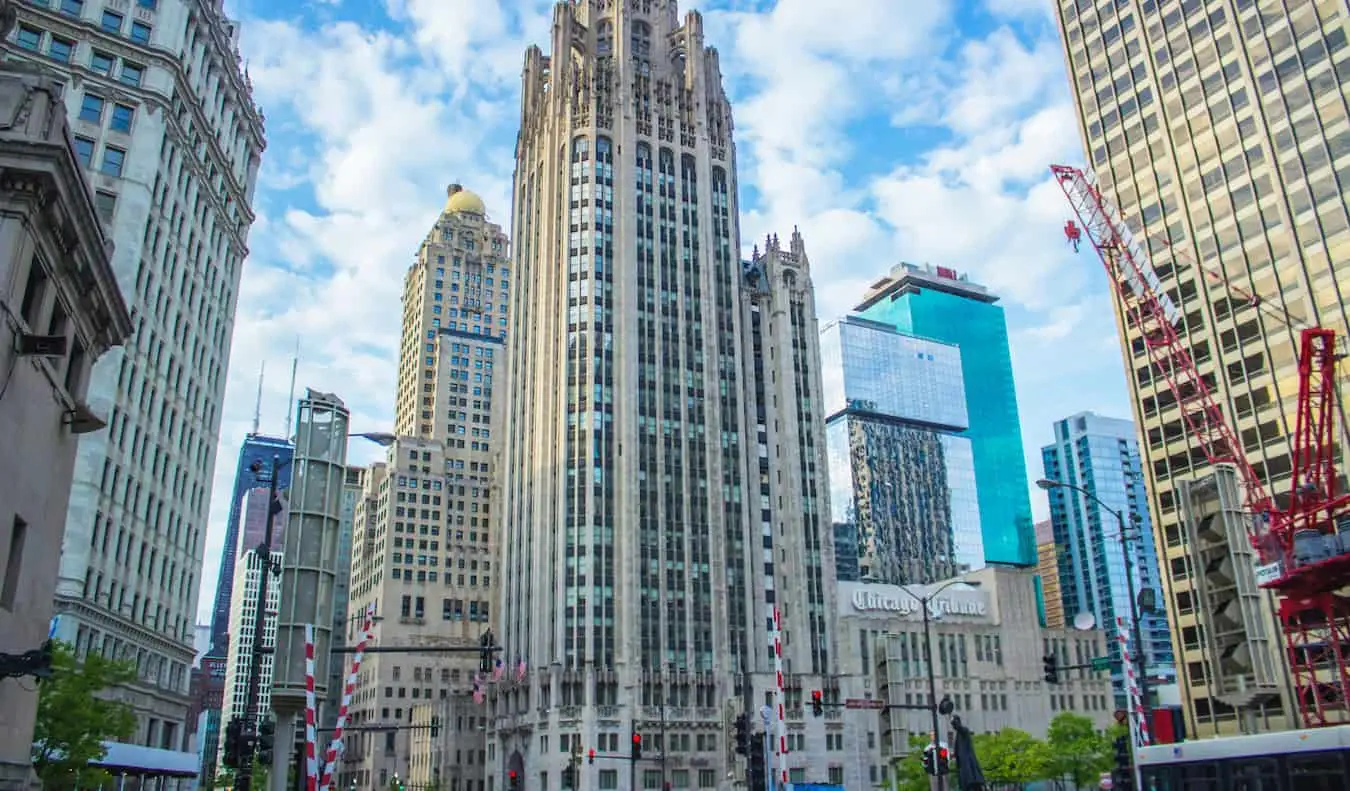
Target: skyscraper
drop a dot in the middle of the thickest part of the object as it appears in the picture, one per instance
(1047, 571)
(433, 583)
(902, 479)
(352, 487)
(1101, 455)
(940, 303)
(664, 434)
(172, 145)
(1226, 149)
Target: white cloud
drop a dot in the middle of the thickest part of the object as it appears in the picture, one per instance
(373, 122)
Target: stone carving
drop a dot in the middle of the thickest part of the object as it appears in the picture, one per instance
(22, 109)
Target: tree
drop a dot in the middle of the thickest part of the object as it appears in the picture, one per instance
(73, 721)
(1010, 758)
(909, 774)
(1075, 751)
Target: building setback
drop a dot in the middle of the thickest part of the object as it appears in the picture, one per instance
(940, 303)
(1226, 149)
(902, 477)
(663, 431)
(62, 313)
(1101, 455)
(164, 123)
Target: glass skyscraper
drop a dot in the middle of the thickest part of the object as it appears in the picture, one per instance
(938, 303)
(1102, 455)
(903, 494)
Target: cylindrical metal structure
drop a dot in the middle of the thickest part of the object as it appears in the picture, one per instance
(310, 553)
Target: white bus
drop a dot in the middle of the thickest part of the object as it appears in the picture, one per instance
(1316, 759)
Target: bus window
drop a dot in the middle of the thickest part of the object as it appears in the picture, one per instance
(1255, 774)
(1201, 777)
(1317, 772)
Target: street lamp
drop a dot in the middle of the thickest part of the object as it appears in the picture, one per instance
(928, 654)
(244, 773)
(1137, 633)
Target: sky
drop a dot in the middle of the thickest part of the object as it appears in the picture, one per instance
(886, 131)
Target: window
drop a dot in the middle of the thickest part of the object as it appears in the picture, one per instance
(84, 150)
(75, 369)
(91, 109)
(140, 32)
(34, 293)
(60, 50)
(150, 4)
(121, 118)
(9, 586)
(29, 38)
(112, 22)
(101, 62)
(105, 203)
(113, 158)
(132, 73)
(72, 7)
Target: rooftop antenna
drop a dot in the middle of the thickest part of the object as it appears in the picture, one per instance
(257, 406)
(290, 403)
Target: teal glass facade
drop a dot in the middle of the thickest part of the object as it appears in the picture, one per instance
(951, 310)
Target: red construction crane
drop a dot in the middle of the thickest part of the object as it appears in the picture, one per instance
(1303, 556)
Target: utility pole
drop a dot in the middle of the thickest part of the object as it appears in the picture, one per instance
(243, 777)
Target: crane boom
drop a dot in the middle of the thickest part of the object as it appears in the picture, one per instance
(1156, 316)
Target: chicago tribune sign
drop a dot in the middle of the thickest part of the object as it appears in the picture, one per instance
(890, 599)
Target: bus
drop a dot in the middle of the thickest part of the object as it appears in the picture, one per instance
(1315, 759)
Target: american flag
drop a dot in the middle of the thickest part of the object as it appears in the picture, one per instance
(478, 694)
(520, 671)
(498, 670)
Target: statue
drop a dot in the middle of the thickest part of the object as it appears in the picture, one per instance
(969, 775)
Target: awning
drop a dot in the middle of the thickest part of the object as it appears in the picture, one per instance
(133, 759)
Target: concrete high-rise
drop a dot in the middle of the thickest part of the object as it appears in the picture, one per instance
(245, 633)
(352, 488)
(62, 312)
(902, 478)
(664, 446)
(422, 548)
(1227, 150)
(1047, 573)
(164, 122)
(1101, 455)
(942, 304)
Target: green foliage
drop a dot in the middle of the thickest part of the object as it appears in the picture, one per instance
(1075, 751)
(1010, 757)
(908, 771)
(73, 721)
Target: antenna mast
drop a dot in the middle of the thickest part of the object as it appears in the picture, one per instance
(290, 403)
(257, 406)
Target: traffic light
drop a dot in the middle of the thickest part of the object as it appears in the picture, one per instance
(944, 760)
(742, 735)
(590, 756)
(817, 703)
(266, 736)
(232, 731)
(637, 746)
(248, 743)
(757, 769)
(1122, 777)
(930, 761)
(435, 727)
(512, 781)
(485, 644)
(570, 777)
(1051, 663)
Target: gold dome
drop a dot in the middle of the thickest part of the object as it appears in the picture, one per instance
(461, 200)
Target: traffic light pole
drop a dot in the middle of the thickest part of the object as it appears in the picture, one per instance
(243, 777)
(932, 683)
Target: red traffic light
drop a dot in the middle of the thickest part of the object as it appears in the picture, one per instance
(511, 774)
(591, 755)
(817, 695)
(942, 753)
(637, 738)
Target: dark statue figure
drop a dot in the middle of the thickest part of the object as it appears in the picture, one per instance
(969, 775)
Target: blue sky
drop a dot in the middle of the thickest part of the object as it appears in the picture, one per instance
(887, 130)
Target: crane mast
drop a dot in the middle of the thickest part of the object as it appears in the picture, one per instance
(1304, 558)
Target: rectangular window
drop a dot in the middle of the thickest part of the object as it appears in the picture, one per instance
(29, 38)
(121, 118)
(112, 22)
(34, 293)
(113, 159)
(84, 149)
(101, 62)
(140, 32)
(75, 370)
(150, 4)
(132, 73)
(91, 109)
(105, 203)
(61, 50)
(9, 587)
(72, 7)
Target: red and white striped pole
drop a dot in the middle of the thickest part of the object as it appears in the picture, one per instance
(335, 748)
(781, 693)
(311, 726)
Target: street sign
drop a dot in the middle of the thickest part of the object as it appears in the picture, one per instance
(864, 703)
(1101, 663)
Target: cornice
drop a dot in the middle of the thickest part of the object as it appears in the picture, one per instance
(97, 616)
(161, 58)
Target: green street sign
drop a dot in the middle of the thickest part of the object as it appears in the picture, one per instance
(1101, 663)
